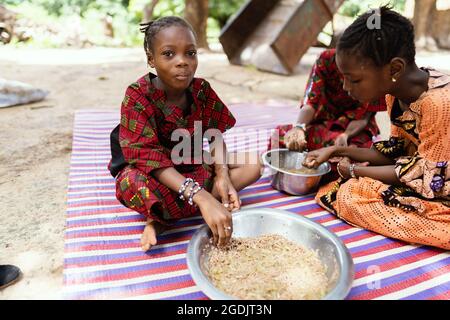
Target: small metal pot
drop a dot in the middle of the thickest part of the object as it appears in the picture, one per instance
(280, 160)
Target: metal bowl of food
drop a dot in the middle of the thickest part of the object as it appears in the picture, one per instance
(332, 253)
(288, 175)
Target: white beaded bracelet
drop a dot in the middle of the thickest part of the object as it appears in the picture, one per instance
(183, 188)
(193, 193)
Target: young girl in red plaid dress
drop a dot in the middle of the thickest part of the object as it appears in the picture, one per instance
(148, 180)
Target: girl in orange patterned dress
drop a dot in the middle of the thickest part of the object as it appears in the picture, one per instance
(399, 188)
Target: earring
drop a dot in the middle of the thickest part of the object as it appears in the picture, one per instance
(394, 80)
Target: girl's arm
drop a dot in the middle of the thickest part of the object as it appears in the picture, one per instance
(216, 216)
(314, 158)
(356, 126)
(385, 174)
(173, 180)
(219, 154)
(295, 139)
(373, 156)
(306, 114)
(223, 184)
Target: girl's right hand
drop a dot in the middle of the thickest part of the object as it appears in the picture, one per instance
(216, 216)
(295, 139)
(315, 158)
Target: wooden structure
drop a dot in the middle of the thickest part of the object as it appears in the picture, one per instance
(273, 35)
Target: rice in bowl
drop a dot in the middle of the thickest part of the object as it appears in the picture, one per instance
(267, 267)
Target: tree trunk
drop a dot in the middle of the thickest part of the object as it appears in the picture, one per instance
(148, 11)
(424, 11)
(196, 13)
(441, 28)
(108, 26)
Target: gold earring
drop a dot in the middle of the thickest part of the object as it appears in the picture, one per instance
(394, 80)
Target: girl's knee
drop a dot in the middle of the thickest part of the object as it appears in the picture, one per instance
(258, 169)
(253, 171)
(129, 184)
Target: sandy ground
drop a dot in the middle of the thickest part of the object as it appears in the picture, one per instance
(36, 139)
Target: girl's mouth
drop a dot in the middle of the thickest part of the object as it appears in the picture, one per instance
(182, 77)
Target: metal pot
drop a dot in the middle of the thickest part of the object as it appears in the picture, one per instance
(280, 160)
(255, 222)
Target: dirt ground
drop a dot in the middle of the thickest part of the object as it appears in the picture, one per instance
(36, 139)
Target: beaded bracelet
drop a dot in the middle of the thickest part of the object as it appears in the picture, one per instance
(352, 171)
(193, 193)
(195, 184)
(183, 188)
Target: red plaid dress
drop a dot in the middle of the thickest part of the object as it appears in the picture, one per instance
(146, 127)
(334, 108)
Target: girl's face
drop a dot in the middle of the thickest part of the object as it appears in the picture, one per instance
(174, 57)
(363, 80)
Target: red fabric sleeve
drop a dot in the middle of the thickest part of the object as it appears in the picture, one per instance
(216, 115)
(138, 133)
(315, 86)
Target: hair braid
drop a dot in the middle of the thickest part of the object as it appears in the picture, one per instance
(394, 37)
(151, 29)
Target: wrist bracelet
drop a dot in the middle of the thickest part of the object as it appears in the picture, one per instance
(195, 184)
(183, 188)
(339, 171)
(352, 171)
(193, 193)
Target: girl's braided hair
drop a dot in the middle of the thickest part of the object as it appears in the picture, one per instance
(393, 37)
(151, 29)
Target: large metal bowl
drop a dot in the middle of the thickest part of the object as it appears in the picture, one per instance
(280, 160)
(255, 222)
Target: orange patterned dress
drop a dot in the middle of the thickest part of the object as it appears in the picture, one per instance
(418, 210)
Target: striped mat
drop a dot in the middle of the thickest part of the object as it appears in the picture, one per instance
(103, 258)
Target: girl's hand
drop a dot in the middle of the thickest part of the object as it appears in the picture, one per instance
(344, 166)
(216, 217)
(227, 193)
(315, 158)
(295, 139)
(341, 140)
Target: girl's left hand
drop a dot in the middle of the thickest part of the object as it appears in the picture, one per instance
(344, 167)
(341, 140)
(227, 193)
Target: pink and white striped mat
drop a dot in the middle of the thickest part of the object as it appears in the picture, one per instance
(103, 258)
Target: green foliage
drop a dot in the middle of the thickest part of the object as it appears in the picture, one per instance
(48, 29)
(222, 10)
(352, 8)
(66, 7)
(89, 15)
(213, 31)
(169, 8)
(12, 2)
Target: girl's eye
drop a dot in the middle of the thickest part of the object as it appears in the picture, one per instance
(192, 53)
(168, 53)
(355, 81)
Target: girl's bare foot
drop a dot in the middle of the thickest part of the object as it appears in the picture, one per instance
(151, 230)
